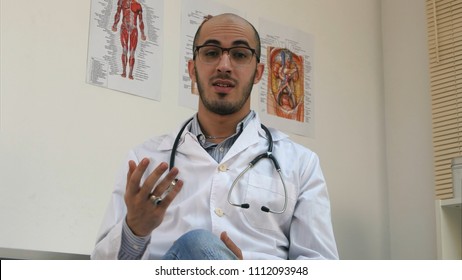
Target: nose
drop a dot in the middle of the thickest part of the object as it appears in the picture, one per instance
(224, 64)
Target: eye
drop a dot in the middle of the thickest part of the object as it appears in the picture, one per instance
(241, 54)
(211, 52)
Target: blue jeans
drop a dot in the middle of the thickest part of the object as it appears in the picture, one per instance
(199, 245)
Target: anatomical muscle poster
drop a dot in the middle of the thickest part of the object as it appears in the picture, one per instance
(125, 46)
(286, 97)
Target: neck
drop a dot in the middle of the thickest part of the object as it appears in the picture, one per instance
(216, 137)
(216, 126)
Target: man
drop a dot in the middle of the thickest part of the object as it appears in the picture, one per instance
(213, 210)
(132, 12)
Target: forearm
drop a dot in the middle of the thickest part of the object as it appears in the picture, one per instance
(117, 17)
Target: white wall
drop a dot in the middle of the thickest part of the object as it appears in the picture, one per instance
(408, 119)
(62, 140)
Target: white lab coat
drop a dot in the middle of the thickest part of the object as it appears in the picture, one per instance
(304, 230)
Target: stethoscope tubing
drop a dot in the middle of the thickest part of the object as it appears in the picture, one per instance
(268, 154)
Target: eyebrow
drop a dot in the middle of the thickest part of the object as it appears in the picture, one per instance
(235, 43)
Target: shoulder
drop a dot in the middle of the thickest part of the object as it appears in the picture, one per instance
(291, 152)
(282, 141)
(136, 7)
(153, 145)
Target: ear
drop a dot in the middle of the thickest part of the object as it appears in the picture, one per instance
(259, 72)
(191, 71)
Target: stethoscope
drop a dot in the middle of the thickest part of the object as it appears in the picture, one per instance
(268, 155)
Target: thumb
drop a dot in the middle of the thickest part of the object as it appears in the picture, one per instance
(231, 245)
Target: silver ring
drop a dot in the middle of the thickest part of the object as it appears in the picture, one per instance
(155, 199)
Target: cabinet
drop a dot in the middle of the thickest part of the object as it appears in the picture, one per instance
(449, 228)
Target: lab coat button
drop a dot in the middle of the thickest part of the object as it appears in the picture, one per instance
(219, 212)
(223, 168)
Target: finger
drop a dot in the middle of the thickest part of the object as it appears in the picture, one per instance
(231, 245)
(152, 179)
(134, 175)
(131, 169)
(172, 194)
(167, 183)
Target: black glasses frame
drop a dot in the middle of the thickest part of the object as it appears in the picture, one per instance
(254, 52)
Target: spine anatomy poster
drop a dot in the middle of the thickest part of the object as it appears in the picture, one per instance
(286, 97)
(125, 46)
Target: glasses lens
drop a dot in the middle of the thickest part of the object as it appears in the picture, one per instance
(240, 55)
(210, 54)
(237, 55)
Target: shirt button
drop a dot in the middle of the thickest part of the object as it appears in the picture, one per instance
(221, 149)
(223, 168)
(219, 212)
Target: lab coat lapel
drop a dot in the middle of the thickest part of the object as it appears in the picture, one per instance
(192, 151)
(249, 137)
(189, 148)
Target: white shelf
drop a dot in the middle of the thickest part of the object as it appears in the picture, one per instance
(453, 202)
(449, 228)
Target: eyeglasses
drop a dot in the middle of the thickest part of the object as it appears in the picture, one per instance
(211, 54)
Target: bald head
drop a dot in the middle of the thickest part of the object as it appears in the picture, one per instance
(224, 20)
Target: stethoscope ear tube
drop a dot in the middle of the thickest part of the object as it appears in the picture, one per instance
(175, 144)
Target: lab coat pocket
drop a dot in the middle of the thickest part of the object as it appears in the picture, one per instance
(267, 191)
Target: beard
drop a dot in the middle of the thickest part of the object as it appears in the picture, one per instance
(224, 107)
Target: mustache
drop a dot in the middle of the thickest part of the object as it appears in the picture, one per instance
(223, 76)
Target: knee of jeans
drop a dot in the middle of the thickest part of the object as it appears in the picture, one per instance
(198, 237)
(199, 244)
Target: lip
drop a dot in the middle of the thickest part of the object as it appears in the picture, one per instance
(223, 86)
